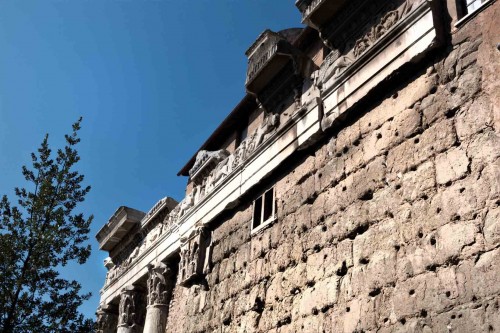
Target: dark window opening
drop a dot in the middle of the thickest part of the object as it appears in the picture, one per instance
(268, 204)
(264, 208)
(257, 209)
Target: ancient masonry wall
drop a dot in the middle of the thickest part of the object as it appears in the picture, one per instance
(390, 224)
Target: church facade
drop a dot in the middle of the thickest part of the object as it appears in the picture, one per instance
(354, 188)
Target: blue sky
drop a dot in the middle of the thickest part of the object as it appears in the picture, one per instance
(151, 78)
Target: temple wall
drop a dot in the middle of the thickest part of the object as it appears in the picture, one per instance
(390, 223)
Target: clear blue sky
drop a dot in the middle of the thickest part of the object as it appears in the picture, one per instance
(151, 78)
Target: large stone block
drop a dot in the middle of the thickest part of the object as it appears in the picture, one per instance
(414, 151)
(451, 165)
(474, 118)
(491, 228)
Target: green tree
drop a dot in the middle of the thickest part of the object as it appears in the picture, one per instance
(38, 236)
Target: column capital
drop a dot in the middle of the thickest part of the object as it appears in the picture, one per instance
(132, 309)
(161, 281)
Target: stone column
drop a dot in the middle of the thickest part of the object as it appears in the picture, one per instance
(132, 310)
(107, 319)
(161, 283)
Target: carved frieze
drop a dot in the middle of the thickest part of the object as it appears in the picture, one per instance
(132, 309)
(350, 41)
(205, 162)
(165, 222)
(193, 255)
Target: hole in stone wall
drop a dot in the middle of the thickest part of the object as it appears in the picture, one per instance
(447, 184)
(364, 261)
(433, 241)
(424, 197)
(295, 291)
(326, 308)
(396, 133)
(258, 305)
(310, 283)
(345, 150)
(315, 311)
(474, 298)
(417, 140)
(324, 228)
(450, 113)
(402, 321)
(453, 89)
(344, 188)
(411, 292)
(316, 248)
(285, 321)
(356, 143)
(431, 268)
(453, 317)
(397, 247)
(342, 270)
(397, 187)
(227, 321)
(368, 195)
(438, 210)
(379, 135)
(448, 294)
(420, 234)
(462, 190)
(423, 313)
(386, 320)
(374, 292)
(395, 95)
(347, 309)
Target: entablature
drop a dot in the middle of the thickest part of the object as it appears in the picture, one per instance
(315, 13)
(119, 225)
(275, 66)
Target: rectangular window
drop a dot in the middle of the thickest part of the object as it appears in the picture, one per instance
(472, 5)
(466, 9)
(264, 210)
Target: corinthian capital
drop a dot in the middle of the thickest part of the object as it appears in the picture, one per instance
(160, 283)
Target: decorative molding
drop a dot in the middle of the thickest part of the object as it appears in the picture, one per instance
(132, 310)
(193, 254)
(107, 319)
(161, 281)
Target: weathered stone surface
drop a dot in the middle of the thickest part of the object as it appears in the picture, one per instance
(389, 223)
(451, 165)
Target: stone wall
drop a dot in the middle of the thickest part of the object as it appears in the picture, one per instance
(389, 224)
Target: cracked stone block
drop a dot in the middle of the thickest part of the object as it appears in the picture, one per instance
(451, 165)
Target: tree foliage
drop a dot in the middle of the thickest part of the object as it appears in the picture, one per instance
(39, 235)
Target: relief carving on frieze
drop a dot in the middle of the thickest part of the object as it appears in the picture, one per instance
(165, 223)
(193, 255)
(346, 47)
